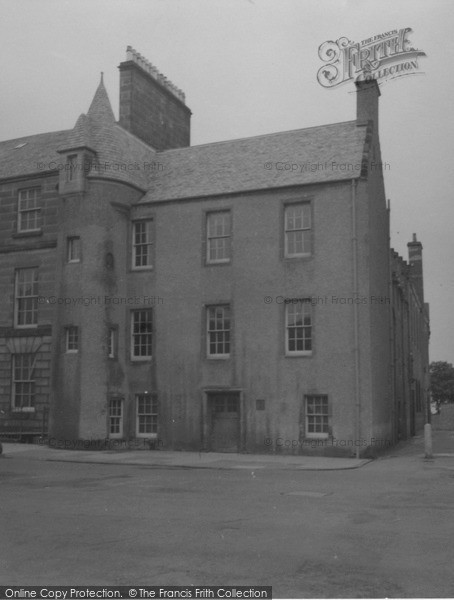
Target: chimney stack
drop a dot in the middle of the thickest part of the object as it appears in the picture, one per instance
(415, 260)
(367, 95)
(151, 106)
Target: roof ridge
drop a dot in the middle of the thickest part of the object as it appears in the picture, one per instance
(34, 135)
(260, 135)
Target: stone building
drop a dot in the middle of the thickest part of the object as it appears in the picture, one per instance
(233, 296)
(410, 342)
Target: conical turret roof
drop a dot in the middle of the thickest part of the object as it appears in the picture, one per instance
(118, 154)
(100, 107)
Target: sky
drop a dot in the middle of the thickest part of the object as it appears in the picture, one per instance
(248, 67)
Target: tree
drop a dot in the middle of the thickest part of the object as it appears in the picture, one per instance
(442, 381)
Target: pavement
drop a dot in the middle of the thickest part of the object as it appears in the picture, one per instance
(443, 448)
(442, 444)
(166, 459)
(379, 531)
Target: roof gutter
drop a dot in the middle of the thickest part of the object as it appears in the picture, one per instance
(229, 194)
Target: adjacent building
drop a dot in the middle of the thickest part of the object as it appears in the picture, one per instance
(233, 296)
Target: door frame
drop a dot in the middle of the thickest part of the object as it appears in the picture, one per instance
(206, 416)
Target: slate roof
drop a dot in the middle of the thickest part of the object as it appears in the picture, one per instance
(299, 157)
(119, 154)
(80, 136)
(32, 154)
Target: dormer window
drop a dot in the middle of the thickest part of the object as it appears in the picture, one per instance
(71, 166)
(73, 170)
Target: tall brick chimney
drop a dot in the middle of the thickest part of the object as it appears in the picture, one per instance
(151, 106)
(415, 260)
(367, 95)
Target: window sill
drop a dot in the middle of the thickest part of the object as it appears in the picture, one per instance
(223, 263)
(298, 257)
(29, 233)
(140, 269)
(298, 354)
(220, 357)
(30, 409)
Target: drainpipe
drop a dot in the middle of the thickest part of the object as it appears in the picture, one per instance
(404, 344)
(428, 420)
(428, 452)
(409, 373)
(356, 321)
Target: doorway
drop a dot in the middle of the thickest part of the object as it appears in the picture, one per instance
(224, 418)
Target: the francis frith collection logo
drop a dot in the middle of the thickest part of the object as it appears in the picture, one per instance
(383, 56)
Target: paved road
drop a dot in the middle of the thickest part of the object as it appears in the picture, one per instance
(385, 529)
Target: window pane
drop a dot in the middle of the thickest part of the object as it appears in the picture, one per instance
(29, 209)
(218, 330)
(317, 420)
(142, 244)
(147, 414)
(298, 229)
(72, 338)
(71, 166)
(218, 236)
(142, 332)
(26, 297)
(23, 381)
(115, 416)
(299, 327)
